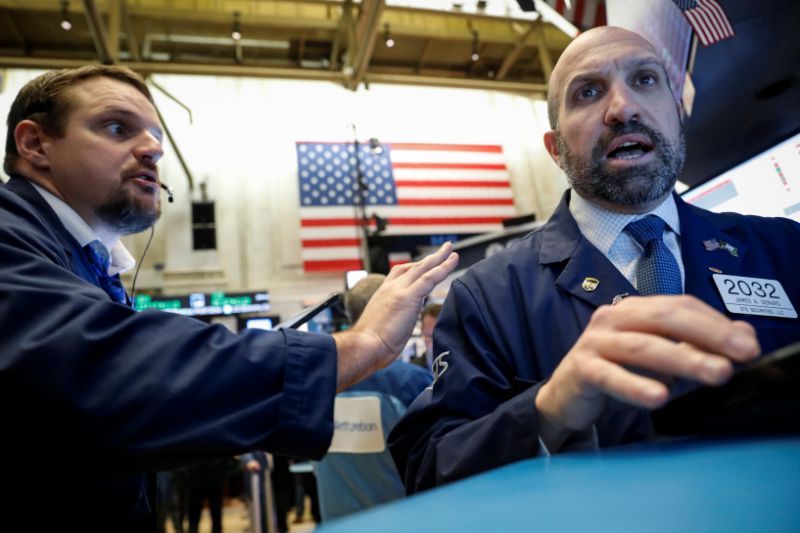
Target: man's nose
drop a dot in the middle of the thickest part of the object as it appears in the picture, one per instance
(623, 107)
(149, 148)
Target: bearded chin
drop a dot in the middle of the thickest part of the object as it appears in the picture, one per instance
(632, 186)
(126, 215)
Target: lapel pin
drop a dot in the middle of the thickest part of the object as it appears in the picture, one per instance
(590, 284)
(730, 249)
(618, 298)
(715, 270)
(714, 244)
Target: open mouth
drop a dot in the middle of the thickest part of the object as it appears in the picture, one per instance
(626, 147)
(145, 177)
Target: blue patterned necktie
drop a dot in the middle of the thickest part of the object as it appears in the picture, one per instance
(100, 260)
(658, 271)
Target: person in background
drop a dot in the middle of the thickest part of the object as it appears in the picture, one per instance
(206, 482)
(399, 379)
(171, 505)
(255, 466)
(427, 320)
(567, 339)
(121, 394)
(347, 481)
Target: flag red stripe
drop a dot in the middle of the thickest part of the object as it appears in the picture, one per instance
(332, 265)
(322, 222)
(432, 221)
(708, 24)
(451, 183)
(324, 243)
(577, 16)
(486, 148)
(452, 166)
(456, 201)
(411, 221)
(720, 20)
(600, 15)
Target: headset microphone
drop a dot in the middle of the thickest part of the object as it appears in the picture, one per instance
(168, 190)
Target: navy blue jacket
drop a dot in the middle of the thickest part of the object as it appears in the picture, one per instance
(106, 393)
(510, 319)
(402, 380)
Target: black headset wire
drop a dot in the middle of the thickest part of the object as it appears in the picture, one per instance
(139, 264)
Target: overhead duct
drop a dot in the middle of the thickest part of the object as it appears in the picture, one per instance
(151, 38)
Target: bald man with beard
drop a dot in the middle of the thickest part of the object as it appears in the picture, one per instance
(552, 344)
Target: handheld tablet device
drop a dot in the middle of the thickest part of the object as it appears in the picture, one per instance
(762, 397)
(298, 319)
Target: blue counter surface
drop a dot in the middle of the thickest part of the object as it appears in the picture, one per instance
(687, 485)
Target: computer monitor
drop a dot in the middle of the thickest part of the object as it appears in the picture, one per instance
(259, 323)
(767, 184)
(351, 277)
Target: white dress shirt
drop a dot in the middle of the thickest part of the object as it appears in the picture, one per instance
(604, 229)
(121, 258)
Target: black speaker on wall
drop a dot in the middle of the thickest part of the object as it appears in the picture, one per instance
(527, 5)
(204, 227)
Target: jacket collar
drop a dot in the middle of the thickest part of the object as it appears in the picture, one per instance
(588, 275)
(22, 187)
(562, 242)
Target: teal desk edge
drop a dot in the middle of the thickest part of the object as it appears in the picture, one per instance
(684, 485)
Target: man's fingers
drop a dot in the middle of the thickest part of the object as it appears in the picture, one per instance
(624, 385)
(682, 318)
(662, 356)
(438, 273)
(413, 271)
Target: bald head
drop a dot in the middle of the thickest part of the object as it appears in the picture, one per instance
(603, 37)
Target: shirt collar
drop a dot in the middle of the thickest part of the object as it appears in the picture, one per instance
(602, 227)
(121, 258)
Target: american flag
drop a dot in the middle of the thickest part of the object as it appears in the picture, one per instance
(707, 19)
(584, 14)
(419, 189)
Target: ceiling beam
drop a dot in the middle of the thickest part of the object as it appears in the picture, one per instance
(544, 53)
(147, 68)
(539, 89)
(301, 48)
(133, 41)
(513, 55)
(423, 56)
(15, 31)
(98, 31)
(114, 21)
(369, 20)
(342, 34)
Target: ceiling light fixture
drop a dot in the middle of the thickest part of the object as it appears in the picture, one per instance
(387, 36)
(475, 55)
(236, 33)
(66, 25)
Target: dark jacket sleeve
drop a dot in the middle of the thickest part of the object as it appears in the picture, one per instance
(475, 417)
(95, 380)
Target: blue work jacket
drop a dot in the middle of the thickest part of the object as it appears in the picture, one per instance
(511, 318)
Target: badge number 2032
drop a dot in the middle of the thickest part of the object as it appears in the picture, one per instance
(754, 296)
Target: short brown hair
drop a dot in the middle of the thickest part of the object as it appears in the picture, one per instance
(431, 310)
(357, 298)
(43, 100)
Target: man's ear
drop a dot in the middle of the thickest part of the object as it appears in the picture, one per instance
(30, 139)
(551, 145)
